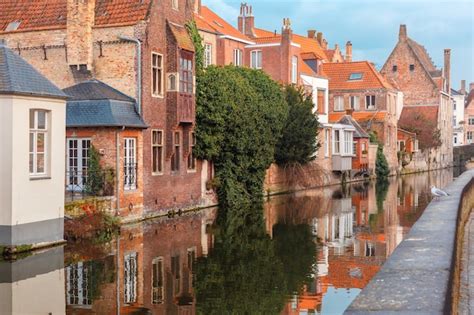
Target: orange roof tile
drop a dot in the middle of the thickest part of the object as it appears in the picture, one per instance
(268, 40)
(330, 53)
(339, 73)
(428, 113)
(50, 14)
(305, 69)
(263, 33)
(209, 21)
(359, 116)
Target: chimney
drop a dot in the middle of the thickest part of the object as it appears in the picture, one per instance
(286, 52)
(246, 20)
(402, 34)
(319, 37)
(447, 69)
(311, 33)
(336, 47)
(348, 57)
(197, 6)
(349, 111)
(471, 86)
(80, 20)
(325, 44)
(463, 87)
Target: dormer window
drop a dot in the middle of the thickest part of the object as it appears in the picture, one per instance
(355, 76)
(12, 26)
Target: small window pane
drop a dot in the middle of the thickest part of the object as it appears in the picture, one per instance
(40, 142)
(32, 119)
(355, 76)
(41, 120)
(32, 157)
(40, 163)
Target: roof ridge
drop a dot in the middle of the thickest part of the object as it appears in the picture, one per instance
(379, 77)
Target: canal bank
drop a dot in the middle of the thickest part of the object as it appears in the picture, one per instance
(423, 274)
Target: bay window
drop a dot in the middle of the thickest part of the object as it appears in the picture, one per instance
(186, 79)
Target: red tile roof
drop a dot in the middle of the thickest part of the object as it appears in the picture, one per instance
(339, 73)
(181, 36)
(209, 21)
(359, 116)
(263, 33)
(51, 14)
(417, 113)
(268, 40)
(469, 98)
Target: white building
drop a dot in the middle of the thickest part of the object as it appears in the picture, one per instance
(32, 150)
(458, 101)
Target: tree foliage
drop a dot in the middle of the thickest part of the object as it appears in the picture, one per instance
(95, 175)
(298, 143)
(381, 165)
(193, 32)
(427, 132)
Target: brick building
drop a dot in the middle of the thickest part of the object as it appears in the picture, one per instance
(425, 88)
(359, 87)
(139, 48)
(469, 116)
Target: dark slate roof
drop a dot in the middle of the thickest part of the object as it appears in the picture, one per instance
(454, 92)
(95, 90)
(359, 131)
(18, 77)
(103, 107)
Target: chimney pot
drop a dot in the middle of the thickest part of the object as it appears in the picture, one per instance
(320, 38)
(311, 33)
(402, 34)
(447, 69)
(348, 57)
(463, 87)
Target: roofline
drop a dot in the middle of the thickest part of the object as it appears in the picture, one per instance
(236, 39)
(65, 97)
(144, 126)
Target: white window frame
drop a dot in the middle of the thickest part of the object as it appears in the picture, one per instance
(469, 137)
(338, 103)
(371, 104)
(157, 74)
(34, 133)
(336, 142)
(130, 164)
(130, 270)
(294, 69)
(191, 161)
(175, 4)
(158, 144)
(354, 102)
(348, 142)
(238, 57)
(158, 291)
(77, 163)
(207, 55)
(256, 59)
(326, 142)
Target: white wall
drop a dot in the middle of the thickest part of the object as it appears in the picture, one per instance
(40, 199)
(399, 104)
(318, 84)
(5, 159)
(459, 113)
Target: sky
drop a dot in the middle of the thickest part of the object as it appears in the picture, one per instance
(372, 26)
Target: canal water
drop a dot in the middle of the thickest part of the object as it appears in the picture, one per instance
(313, 254)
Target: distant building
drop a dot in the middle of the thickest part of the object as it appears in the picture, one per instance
(426, 90)
(458, 101)
(469, 116)
(32, 129)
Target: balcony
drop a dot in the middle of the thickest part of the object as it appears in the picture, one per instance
(341, 163)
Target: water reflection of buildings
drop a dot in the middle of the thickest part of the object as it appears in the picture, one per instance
(357, 230)
(33, 285)
(147, 271)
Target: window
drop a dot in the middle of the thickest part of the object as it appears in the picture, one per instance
(401, 145)
(191, 158)
(191, 257)
(415, 146)
(157, 281)
(354, 100)
(256, 59)
(370, 101)
(176, 273)
(130, 164)
(294, 70)
(394, 68)
(355, 76)
(237, 57)
(157, 151)
(172, 86)
(364, 148)
(12, 26)
(369, 249)
(471, 120)
(326, 143)
(77, 163)
(176, 154)
(455, 139)
(207, 55)
(157, 74)
(454, 105)
(39, 158)
(338, 103)
(321, 102)
(130, 278)
(469, 137)
(454, 120)
(336, 142)
(348, 143)
(175, 4)
(186, 80)
(412, 67)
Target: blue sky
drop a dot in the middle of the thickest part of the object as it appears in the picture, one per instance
(372, 25)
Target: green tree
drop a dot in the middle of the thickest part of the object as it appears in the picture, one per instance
(95, 175)
(381, 165)
(298, 143)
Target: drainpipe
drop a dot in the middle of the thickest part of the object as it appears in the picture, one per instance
(117, 171)
(139, 70)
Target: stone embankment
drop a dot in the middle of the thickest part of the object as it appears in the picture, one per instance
(423, 274)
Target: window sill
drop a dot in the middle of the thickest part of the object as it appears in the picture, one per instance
(40, 178)
(158, 95)
(130, 190)
(191, 171)
(157, 174)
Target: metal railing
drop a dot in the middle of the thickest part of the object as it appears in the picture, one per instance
(130, 172)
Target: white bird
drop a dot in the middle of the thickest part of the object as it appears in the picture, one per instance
(436, 192)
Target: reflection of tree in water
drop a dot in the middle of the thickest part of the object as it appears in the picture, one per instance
(249, 273)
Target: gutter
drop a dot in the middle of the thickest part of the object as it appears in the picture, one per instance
(139, 70)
